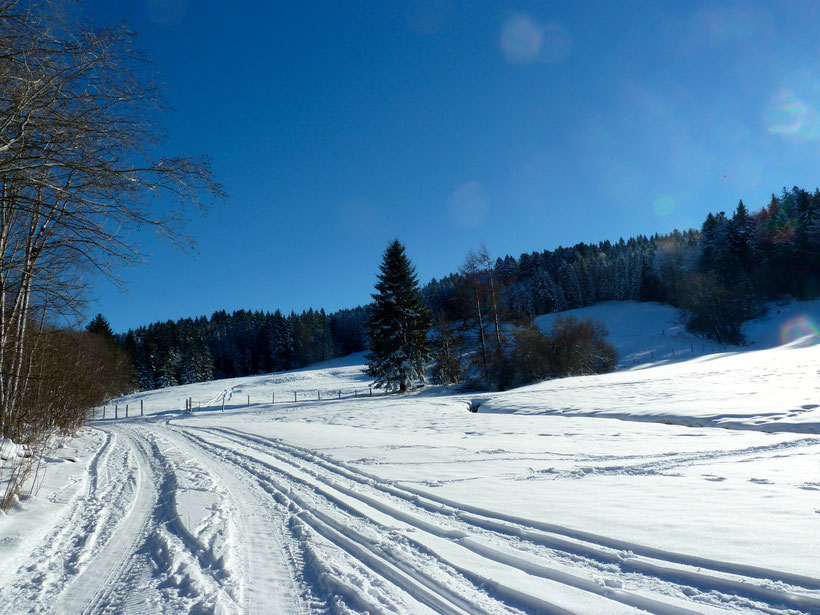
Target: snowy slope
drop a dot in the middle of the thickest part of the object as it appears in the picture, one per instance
(652, 333)
(642, 332)
(688, 487)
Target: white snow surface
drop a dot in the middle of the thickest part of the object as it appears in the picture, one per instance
(682, 483)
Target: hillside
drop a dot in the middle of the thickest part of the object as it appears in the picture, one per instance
(701, 498)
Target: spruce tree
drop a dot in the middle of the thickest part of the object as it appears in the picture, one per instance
(100, 326)
(398, 324)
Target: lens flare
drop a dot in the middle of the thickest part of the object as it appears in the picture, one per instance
(524, 41)
(468, 205)
(799, 327)
(520, 39)
(791, 116)
(792, 111)
(664, 206)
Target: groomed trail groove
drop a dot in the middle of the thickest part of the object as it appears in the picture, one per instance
(177, 517)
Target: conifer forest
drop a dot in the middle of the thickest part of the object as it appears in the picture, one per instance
(718, 275)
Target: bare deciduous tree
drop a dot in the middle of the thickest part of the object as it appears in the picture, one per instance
(480, 297)
(78, 175)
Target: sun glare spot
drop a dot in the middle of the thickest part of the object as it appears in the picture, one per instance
(788, 114)
(664, 206)
(524, 41)
(520, 40)
(797, 328)
(468, 205)
(792, 112)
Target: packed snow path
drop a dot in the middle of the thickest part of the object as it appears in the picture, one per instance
(180, 518)
(687, 488)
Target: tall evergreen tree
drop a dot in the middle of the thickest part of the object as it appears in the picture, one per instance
(100, 326)
(398, 324)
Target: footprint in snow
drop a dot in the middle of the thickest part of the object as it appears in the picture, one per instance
(761, 481)
(713, 478)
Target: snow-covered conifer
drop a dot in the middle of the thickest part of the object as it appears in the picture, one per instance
(398, 324)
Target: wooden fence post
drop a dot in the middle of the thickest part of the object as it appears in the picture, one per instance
(319, 395)
(340, 393)
(142, 409)
(273, 397)
(371, 391)
(103, 411)
(116, 411)
(126, 410)
(249, 401)
(223, 403)
(294, 396)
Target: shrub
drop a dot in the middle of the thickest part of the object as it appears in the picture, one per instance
(579, 347)
(573, 348)
(715, 310)
(531, 355)
(68, 373)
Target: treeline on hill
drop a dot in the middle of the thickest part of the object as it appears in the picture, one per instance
(719, 276)
(240, 344)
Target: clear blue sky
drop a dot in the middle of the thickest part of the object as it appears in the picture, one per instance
(336, 126)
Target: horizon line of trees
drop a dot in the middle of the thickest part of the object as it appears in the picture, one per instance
(242, 343)
(719, 276)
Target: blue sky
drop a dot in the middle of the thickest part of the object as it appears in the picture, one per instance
(336, 126)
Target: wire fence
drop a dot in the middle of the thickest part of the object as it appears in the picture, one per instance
(227, 401)
(680, 351)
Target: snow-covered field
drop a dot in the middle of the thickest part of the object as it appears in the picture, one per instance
(685, 482)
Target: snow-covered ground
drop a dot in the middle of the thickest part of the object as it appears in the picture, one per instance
(687, 484)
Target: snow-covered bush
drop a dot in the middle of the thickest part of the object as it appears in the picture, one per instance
(579, 347)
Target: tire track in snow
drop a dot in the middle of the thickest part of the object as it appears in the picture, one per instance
(88, 553)
(267, 584)
(629, 557)
(425, 580)
(659, 464)
(141, 558)
(63, 560)
(93, 590)
(446, 547)
(309, 519)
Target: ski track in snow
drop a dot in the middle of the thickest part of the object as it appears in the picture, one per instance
(432, 519)
(181, 518)
(241, 512)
